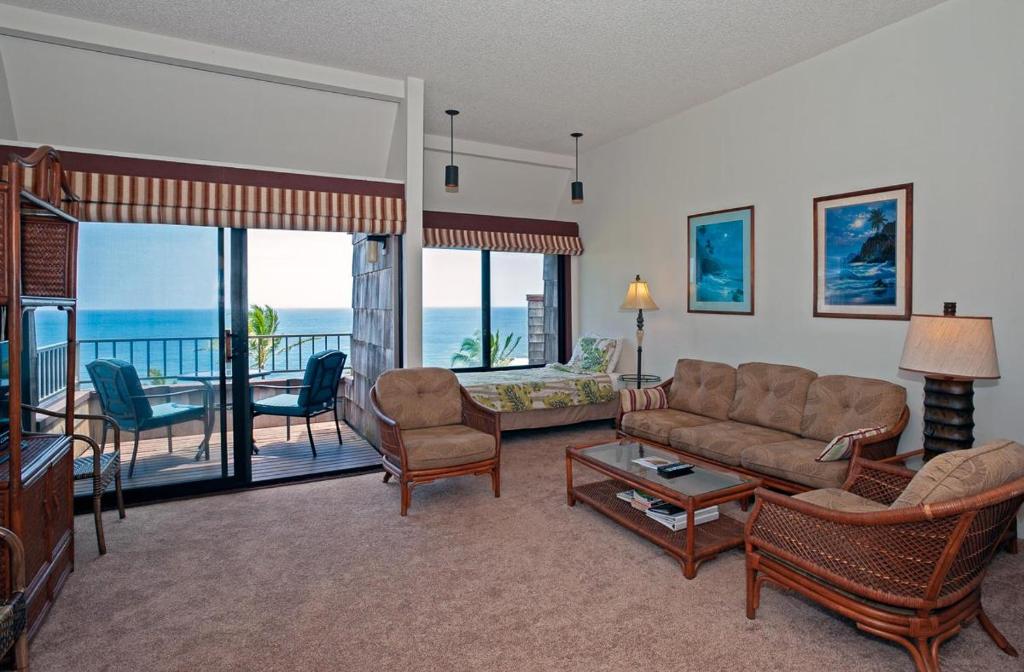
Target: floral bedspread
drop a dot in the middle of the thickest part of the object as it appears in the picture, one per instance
(553, 386)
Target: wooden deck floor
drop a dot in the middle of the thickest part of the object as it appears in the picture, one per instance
(278, 457)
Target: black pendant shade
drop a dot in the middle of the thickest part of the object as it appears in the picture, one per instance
(451, 171)
(577, 186)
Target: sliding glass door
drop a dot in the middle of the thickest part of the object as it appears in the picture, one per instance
(155, 352)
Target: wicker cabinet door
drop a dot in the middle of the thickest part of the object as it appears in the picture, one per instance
(61, 516)
(35, 525)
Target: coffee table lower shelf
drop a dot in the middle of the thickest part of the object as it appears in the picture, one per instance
(709, 539)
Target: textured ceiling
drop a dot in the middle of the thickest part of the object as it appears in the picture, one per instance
(525, 73)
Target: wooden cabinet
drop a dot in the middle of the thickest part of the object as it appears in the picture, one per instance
(38, 241)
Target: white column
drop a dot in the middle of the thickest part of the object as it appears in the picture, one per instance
(412, 286)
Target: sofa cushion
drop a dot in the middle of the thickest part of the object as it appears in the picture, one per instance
(838, 499)
(416, 398)
(655, 425)
(446, 446)
(644, 399)
(796, 461)
(964, 473)
(771, 395)
(839, 404)
(704, 388)
(723, 441)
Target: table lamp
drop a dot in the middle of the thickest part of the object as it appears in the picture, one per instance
(638, 298)
(952, 352)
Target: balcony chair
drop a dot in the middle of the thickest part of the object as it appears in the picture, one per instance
(317, 394)
(127, 404)
(431, 428)
(902, 554)
(101, 467)
(13, 615)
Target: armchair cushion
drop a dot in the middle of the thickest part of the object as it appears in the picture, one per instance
(723, 441)
(172, 414)
(837, 499)
(704, 388)
(447, 446)
(964, 473)
(796, 460)
(657, 424)
(279, 404)
(771, 395)
(840, 404)
(418, 398)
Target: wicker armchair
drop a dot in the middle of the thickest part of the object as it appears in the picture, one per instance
(13, 615)
(101, 467)
(431, 428)
(909, 574)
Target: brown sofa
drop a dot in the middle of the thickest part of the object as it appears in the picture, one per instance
(770, 420)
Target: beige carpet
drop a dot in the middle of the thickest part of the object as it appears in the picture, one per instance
(327, 576)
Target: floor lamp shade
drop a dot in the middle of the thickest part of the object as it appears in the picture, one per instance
(952, 352)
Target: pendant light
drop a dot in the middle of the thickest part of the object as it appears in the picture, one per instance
(577, 186)
(451, 171)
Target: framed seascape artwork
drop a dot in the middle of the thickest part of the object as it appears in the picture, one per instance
(862, 253)
(720, 250)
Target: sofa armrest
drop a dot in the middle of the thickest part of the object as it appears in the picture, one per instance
(883, 445)
(877, 481)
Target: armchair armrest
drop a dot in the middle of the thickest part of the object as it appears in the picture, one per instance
(159, 395)
(389, 434)
(885, 444)
(17, 558)
(478, 416)
(878, 481)
(105, 419)
(270, 386)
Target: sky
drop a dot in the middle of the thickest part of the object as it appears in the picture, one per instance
(152, 266)
(846, 227)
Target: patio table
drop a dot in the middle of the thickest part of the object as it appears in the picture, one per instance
(207, 379)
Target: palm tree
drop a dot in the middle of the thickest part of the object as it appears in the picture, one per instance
(876, 219)
(502, 352)
(263, 321)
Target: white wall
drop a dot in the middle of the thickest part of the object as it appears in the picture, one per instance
(74, 97)
(937, 100)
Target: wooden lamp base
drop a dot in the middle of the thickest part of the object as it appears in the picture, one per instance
(948, 415)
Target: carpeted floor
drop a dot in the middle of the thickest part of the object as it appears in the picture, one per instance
(327, 576)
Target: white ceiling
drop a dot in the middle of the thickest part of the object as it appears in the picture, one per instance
(526, 72)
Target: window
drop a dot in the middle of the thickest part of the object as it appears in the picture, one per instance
(506, 299)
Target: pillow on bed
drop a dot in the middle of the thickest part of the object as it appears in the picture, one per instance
(594, 354)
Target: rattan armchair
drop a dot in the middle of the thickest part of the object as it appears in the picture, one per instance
(101, 467)
(910, 575)
(13, 610)
(431, 428)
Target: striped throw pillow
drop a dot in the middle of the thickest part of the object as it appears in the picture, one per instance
(645, 399)
(841, 447)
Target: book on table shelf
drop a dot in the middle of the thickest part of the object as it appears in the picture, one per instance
(669, 515)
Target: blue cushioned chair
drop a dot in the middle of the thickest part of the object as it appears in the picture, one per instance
(123, 399)
(317, 394)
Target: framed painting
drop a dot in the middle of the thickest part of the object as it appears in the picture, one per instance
(863, 259)
(720, 251)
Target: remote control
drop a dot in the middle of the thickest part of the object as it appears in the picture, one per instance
(675, 469)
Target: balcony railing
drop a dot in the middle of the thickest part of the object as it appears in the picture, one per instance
(160, 360)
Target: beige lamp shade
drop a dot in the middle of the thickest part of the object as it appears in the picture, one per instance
(951, 347)
(638, 297)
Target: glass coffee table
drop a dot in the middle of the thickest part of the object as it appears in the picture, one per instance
(705, 487)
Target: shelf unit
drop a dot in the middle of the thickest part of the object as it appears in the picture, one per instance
(39, 247)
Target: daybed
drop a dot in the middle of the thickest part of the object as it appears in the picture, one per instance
(771, 420)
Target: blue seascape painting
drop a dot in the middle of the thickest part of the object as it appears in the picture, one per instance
(860, 254)
(719, 257)
(721, 264)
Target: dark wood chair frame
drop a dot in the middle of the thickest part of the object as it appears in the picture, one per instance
(911, 575)
(395, 458)
(873, 448)
(17, 636)
(101, 475)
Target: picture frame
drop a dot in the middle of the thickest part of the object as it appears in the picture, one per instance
(720, 262)
(863, 254)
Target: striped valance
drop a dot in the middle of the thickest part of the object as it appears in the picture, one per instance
(500, 234)
(117, 189)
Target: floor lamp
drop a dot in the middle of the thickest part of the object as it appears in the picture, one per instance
(638, 298)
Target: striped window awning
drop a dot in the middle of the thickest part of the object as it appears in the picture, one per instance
(500, 234)
(119, 189)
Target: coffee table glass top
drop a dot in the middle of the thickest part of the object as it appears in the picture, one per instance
(621, 455)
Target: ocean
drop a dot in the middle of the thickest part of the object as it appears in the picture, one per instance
(443, 332)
